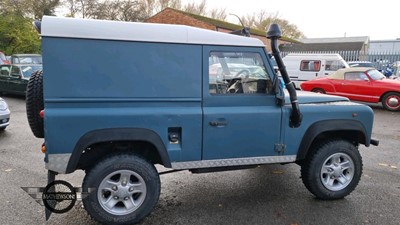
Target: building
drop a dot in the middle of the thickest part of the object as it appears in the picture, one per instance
(359, 44)
(388, 46)
(174, 16)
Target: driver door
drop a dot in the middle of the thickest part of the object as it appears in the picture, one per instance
(240, 124)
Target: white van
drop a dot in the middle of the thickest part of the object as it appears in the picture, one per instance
(303, 67)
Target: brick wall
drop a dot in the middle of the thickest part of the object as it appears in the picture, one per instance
(264, 39)
(170, 16)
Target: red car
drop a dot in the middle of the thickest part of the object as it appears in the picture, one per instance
(364, 84)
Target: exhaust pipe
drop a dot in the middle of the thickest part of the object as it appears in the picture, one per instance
(274, 33)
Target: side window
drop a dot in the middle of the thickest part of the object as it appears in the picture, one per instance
(5, 70)
(310, 65)
(15, 71)
(238, 73)
(354, 76)
(334, 65)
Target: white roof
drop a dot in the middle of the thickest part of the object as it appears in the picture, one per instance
(133, 31)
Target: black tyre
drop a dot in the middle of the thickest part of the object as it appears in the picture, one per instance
(125, 189)
(34, 103)
(391, 101)
(319, 90)
(332, 170)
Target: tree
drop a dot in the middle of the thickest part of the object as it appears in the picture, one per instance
(219, 14)
(29, 8)
(17, 34)
(132, 10)
(194, 8)
(123, 10)
(263, 19)
(15, 7)
(42, 7)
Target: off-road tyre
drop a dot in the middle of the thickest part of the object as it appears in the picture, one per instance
(315, 170)
(35, 103)
(111, 171)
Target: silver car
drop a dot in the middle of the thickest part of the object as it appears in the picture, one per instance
(4, 114)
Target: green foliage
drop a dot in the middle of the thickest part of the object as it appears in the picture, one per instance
(17, 35)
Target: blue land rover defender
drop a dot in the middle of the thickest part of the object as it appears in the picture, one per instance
(116, 98)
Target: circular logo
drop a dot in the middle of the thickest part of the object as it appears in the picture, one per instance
(59, 196)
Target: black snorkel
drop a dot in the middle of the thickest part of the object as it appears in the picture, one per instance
(274, 33)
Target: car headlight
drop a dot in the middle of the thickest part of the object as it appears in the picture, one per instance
(3, 105)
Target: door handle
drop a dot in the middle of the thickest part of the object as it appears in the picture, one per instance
(218, 123)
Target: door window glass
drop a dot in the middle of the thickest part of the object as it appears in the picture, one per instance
(15, 71)
(4, 70)
(238, 73)
(354, 76)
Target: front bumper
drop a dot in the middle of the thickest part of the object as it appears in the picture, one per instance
(4, 118)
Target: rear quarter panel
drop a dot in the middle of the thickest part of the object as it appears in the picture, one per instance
(99, 84)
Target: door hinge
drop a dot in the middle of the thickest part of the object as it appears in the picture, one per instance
(280, 148)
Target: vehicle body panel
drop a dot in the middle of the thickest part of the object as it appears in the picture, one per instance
(26, 59)
(238, 136)
(4, 114)
(14, 78)
(304, 67)
(364, 89)
(133, 95)
(161, 86)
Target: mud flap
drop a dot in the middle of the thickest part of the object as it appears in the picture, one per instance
(51, 176)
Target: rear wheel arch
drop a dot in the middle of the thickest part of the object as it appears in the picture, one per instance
(350, 130)
(319, 90)
(95, 144)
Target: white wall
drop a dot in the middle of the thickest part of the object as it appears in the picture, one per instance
(384, 46)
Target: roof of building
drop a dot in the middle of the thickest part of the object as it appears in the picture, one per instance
(226, 25)
(386, 41)
(348, 46)
(143, 32)
(362, 39)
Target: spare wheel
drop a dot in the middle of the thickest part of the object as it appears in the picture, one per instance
(34, 103)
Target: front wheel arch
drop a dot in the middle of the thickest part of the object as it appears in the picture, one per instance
(346, 129)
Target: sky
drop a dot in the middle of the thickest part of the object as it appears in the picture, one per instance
(323, 19)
